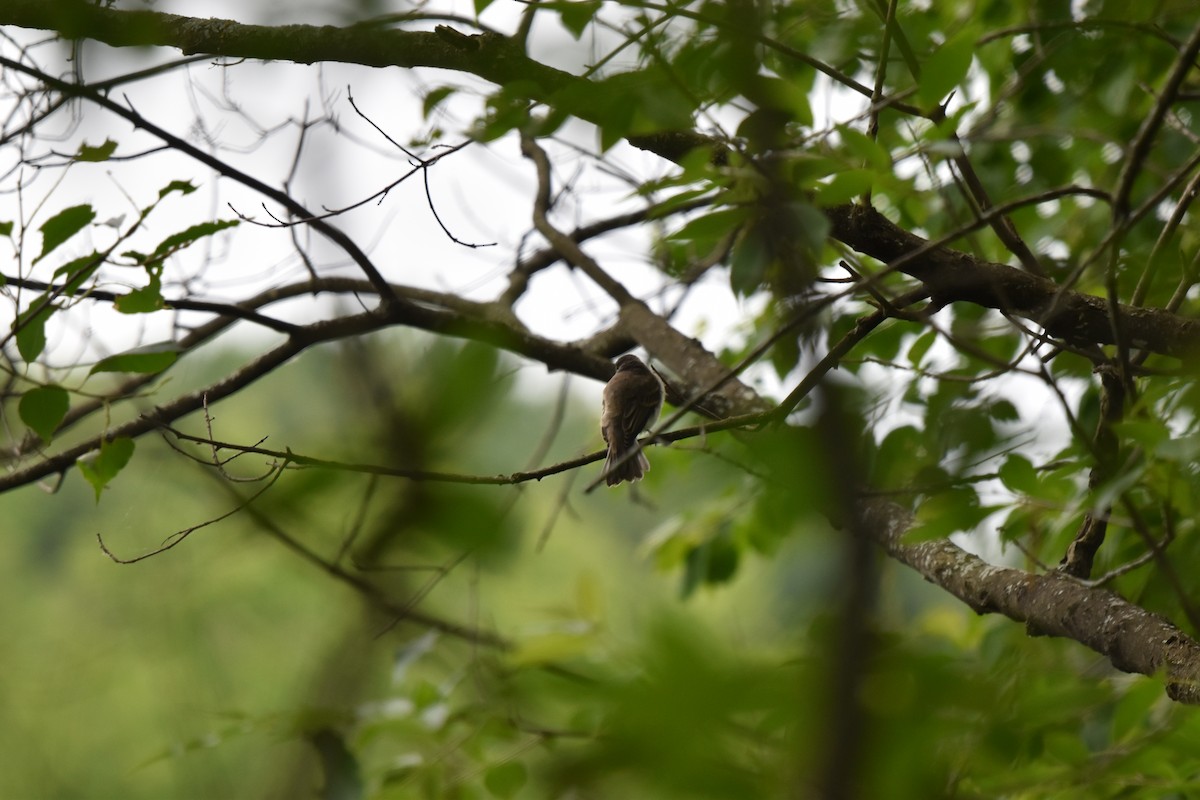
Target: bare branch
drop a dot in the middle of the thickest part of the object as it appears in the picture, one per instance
(178, 536)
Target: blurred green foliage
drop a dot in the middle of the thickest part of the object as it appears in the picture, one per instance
(230, 667)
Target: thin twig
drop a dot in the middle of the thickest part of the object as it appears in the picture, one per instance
(178, 536)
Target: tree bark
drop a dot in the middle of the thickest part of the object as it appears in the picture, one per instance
(1053, 604)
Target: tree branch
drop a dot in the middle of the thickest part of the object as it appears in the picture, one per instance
(490, 56)
(1133, 639)
(954, 276)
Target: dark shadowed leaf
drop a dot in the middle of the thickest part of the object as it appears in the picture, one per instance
(750, 262)
(948, 511)
(183, 187)
(576, 16)
(1004, 411)
(98, 153)
(31, 329)
(505, 780)
(343, 777)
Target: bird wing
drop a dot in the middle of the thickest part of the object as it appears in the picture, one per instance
(637, 416)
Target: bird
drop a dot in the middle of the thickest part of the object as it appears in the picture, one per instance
(632, 400)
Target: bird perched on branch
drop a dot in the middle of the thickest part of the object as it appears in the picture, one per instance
(633, 398)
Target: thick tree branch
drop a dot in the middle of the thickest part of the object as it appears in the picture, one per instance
(954, 276)
(1053, 604)
(491, 56)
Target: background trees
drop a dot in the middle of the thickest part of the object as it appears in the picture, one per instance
(280, 283)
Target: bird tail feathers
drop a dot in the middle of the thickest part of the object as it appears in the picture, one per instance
(631, 469)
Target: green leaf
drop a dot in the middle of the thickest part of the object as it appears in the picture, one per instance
(813, 226)
(948, 511)
(1004, 411)
(709, 229)
(30, 325)
(901, 453)
(748, 267)
(1018, 474)
(844, 187)
(100, 153)
(1133, 712)
(947, 67)
(183, 187)
(43, 409)
(6, 229)
(916, 353)
(142, 301)
(343, 776)
(480, 5)
(644, 101)
(180, 240)
(113, 457)
(63, 226)
(505, 780)
(147, 360)
(435, 97)
(1020, 520)
(550, 648)
(675, 202)
(784, 96)
(866, 149)
(1180, 448)
(785, 355)
(507, 110)
(78, 271)
(31, 329)
(1148, 433)
(576, 16)
(714, 561)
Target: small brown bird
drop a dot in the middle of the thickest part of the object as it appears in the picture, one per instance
(633, 398)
